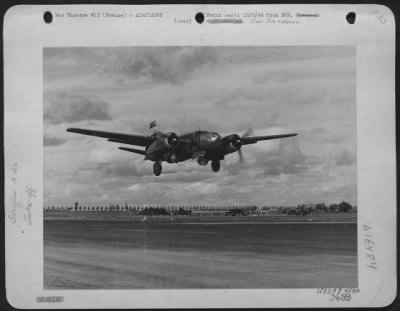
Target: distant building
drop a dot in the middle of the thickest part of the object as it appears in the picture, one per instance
(207, 209)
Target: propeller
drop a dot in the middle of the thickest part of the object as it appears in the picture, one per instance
(236, 141)
(248, 132)
(241, 159)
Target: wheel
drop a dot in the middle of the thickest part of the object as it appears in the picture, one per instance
(215, 165)
(202, 161)
(157, 168)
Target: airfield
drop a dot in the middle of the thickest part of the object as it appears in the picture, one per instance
(200, 252)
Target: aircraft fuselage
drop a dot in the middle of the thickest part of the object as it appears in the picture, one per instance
(204, 143)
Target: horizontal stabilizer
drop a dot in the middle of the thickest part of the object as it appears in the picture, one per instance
(133, 150)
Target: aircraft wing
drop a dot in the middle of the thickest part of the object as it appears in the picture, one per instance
(246, 140)
(137, 140)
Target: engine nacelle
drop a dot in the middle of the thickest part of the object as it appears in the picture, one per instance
(234, 140)
(172, 140)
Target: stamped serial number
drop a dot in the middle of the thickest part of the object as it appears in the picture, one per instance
(41, 299)
(339, 294)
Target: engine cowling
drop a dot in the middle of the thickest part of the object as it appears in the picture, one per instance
(236, 141)
(172, 140)
(233, 140)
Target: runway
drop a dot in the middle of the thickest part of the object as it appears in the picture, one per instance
(115, 254)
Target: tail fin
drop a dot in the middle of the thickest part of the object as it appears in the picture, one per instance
(153, 125)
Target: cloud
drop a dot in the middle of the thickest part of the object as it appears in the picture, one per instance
(117, 169)
(190, 123)
(53, 141)
(240, 97)
(166, 65)
(101, 155)
(320, 134)
(120, 170)
(64, 108)
(201, 188)
(345, 158)
(308, 90)
(185, 173)
(313, 66)
(136, 187)
(272, 159)
(333, 139)
(267, 119)
(288, 159)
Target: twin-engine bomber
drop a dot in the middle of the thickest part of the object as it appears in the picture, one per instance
(204, 146)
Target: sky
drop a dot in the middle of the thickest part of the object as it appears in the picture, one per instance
(310, 90)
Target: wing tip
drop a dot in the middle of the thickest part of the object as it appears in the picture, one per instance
(76, 130)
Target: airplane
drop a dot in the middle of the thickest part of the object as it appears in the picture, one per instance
(204, 146)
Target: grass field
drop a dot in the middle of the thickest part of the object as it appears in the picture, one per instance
(115, 254)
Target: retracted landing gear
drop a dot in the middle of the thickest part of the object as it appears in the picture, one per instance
(157, 168)
(215, 165)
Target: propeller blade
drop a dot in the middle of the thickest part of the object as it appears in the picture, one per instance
(249, 132)
(241, 158)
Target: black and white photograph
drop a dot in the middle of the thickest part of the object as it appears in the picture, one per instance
(199, 156)
(200, 167)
